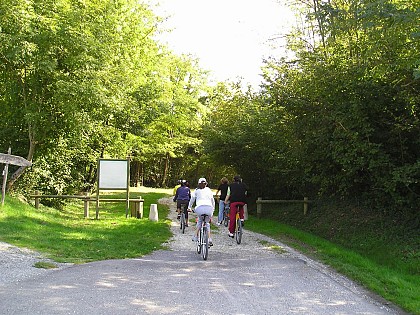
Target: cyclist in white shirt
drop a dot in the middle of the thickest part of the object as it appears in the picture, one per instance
(204, 204)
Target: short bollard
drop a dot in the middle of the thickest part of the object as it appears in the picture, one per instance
(153, 215)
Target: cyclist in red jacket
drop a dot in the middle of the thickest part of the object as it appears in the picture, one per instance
(236, 194)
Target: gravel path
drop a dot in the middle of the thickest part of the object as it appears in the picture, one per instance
(259, 276)
(18, 264)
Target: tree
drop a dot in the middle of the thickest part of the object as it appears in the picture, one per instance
(355, 98)
(69, 69)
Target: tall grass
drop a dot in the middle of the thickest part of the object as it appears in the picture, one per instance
(65, 236)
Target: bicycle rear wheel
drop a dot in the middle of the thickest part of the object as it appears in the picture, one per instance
(205, 244)
(182, 227)
(238, 233)
(198, 242)
(226, 217)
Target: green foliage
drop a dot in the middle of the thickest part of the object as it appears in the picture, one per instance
(243, 134)
(81, 81)
(339, 118)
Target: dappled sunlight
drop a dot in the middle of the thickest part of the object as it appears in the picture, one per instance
(179, 275)
(247, 284)
(105, 284)
(307, 298)
(153, 307)
(63, 286)
(145, 190)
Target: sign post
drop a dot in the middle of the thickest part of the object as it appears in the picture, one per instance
(113, 174)
(14, 160)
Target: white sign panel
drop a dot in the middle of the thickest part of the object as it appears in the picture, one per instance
(113, 174)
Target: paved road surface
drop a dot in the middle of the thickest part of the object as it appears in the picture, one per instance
(250, 278)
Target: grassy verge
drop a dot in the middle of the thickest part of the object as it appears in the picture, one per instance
(65, 236)
(396, 279)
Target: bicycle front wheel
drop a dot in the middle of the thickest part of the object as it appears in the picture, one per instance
(238, 231)
(205, 244)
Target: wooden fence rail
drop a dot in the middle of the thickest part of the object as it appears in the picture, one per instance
(136, 205)
(261, 201)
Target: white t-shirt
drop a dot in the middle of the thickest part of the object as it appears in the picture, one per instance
(202, 197)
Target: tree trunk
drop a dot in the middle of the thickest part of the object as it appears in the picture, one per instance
(165, 170)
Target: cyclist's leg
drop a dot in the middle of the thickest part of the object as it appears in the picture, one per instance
(208, 229)
(232, 215)
(221, 209)
(199, 211)
(184, 207)
(178, 208)
(241, 210)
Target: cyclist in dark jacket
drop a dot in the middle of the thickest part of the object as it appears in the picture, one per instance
(182, 197)
(236, 194)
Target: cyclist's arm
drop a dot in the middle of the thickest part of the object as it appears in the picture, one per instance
(227, 195)
(246, 190)
(192, 200)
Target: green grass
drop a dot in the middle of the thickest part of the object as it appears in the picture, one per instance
(276, 248)
(45, 265)
(391, 279)
(65, 236)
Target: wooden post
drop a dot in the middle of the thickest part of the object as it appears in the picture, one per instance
(97, 203)
(86, 205)
(305, 205)
(5, 172)
(127, 202)
(245, 212)
(259, 207)
(136, 208)
(36, 199)
(140, 212)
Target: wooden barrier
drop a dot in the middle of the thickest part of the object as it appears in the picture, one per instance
(135, 204)
(261, 201)
(136, 208)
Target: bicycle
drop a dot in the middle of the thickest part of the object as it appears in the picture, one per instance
(203, 238)
(183, 217)
(238, 225)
